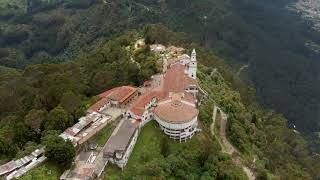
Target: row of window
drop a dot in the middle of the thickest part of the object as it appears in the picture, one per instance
(177, 134)
(129, 100)
(184, 139)
(178, 130)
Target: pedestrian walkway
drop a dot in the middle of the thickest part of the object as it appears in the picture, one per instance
(226, 145)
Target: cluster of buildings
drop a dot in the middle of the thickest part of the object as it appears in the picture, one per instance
(173, 104)
(86, 127)
(171, 99)
(97, 117)
(90, 164)
(119, 97)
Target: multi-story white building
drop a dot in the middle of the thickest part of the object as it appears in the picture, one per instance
(177, 116)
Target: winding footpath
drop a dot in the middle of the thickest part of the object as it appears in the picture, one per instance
(214, 116)
(226, 146)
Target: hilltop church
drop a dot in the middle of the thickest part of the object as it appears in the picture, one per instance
(174, 104)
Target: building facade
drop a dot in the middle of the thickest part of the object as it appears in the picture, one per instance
(177, 117)
(192, 67)
(142, 109)
(121, 143)
(116, 97)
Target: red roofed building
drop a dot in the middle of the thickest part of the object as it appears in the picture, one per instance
(119, 96)
(177, 117)
(141, 109)
(106, 93)
(100, 105)
(176, 80)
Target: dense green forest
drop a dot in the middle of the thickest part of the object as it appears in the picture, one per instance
(42, 100)
(45, 99)
(263, 35)
(56, 55)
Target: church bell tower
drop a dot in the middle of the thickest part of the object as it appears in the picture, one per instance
(192, 71)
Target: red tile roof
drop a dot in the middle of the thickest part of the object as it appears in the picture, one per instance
(106, 93)
(119, 93)
(176, 111)
(189, 97)
(139, 107)
(175, 79)
(122, 93)
(99, 104)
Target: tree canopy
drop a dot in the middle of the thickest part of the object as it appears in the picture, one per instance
(58, 150)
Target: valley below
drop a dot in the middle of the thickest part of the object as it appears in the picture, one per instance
(309, 9)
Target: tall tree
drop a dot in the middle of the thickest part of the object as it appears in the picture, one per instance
(70, 102)
(58, 150)
(35, 118)
(58, 119)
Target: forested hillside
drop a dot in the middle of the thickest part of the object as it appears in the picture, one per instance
(42, 99)
(263, 35)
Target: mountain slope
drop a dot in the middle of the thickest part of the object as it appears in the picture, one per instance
(264, 35)
(36, 101)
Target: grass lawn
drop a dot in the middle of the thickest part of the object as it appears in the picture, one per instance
(147, 149)
(48, 171)
(148, 141)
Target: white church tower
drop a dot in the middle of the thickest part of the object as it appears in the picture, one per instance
(192, 71)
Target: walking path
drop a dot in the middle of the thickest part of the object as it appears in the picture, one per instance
(226, 146)
(214, 117)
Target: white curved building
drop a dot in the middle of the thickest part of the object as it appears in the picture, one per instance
(177, 117)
